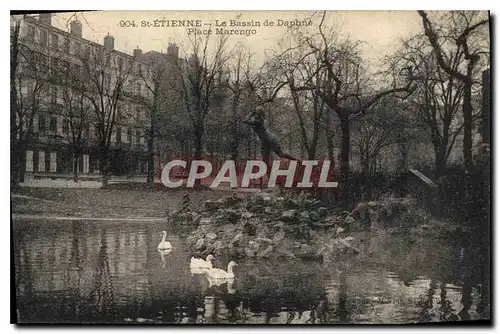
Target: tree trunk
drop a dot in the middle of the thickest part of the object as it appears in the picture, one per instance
(103, 166)
(365, 164)
(76, 160)
(440, 153)
(403, 149)
(345, 146)
(198, 146)
(14, 150)
(151, 157)
(152, 134)
(198, 141)
(467, 113)
(329, 141)
(19, 162)
(235, 150)
(314, 145)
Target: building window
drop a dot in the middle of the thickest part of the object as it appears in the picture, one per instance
(66, 45)
(120, 62)
(129, 135)
(53, 124)
(55, 41)
(43, 37)
(43, 61)
(78, 48)
(41, 124)
(65, 127)
(118, 135)
(138, 112)
(54, 94)
(78, 70)
(54, 65)
(31, 32)
(138, 137)
(138, 88)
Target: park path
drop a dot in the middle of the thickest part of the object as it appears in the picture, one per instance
(39, 217)
(104, 204)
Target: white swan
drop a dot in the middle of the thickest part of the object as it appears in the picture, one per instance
(217, 273)
(164, 245)
(212, 281)
(162, 255)
(202, 264)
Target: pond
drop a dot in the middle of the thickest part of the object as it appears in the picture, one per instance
(111, 272)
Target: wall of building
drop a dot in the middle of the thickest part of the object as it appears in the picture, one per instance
(50, 149)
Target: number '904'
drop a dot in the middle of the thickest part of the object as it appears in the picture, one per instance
(127, 23)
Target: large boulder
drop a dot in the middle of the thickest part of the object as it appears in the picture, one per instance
(289, 215)
(210, 205)
(237, 237)
(265, 253)
(211, 236)
(306, 252)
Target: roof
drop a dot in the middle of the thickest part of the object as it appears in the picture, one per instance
(33, 20)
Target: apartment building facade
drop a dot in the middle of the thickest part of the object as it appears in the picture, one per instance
(64, 126)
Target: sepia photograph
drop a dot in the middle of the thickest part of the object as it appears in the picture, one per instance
(250, 167)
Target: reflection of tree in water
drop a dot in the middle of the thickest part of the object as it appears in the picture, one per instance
(297, 295)
(102, 293)
(445, 306)
(483, 307)
(24, 276)
(343, 308)
(75, 268)
(428, 303)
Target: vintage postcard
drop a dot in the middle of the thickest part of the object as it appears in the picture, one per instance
(250, 167)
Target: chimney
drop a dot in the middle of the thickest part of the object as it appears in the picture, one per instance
(45, 18)
(137, 53)
(173, 50)
(76, 28)
(109, 42)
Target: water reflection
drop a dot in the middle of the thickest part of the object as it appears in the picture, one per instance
(110, 272)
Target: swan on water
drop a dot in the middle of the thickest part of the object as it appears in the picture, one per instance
(164, 245)
(212, 281)
(202, 264)
(217, 273)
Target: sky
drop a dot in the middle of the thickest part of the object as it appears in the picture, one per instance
(379, 30)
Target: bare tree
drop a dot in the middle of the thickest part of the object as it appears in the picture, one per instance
(199, 77)
(345, 90)
(154, 78)
(238, 82)
(459, 36)
(15, 30)
(106, 79)
(308, 104)
(76, 112)
(437, 99)
(382, 127)
(29, 74)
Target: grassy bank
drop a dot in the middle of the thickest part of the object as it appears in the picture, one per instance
(103, 202)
